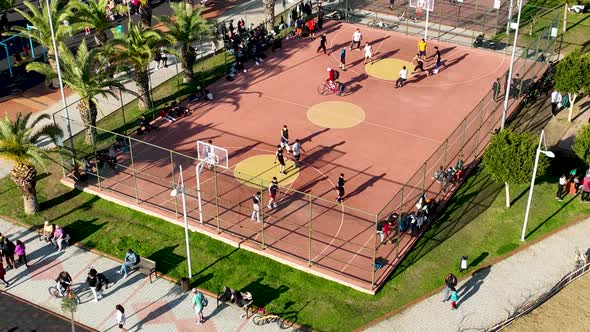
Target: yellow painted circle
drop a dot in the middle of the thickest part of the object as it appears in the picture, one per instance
(387, 69)
(260, 169)
(336, 114)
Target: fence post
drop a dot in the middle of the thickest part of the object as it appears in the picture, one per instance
(133, 168)
(174, 186)
(462, 138)
(475, 153)
(445, 156)
(216, 200)
(261, 216)
(309, 230)
(95, 157)
(375, 245)
(424, 179)
(401, 210)
(123, 112)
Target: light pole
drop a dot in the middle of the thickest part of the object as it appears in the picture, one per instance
(174, 193)
(61, 85)
(528, 205)
(507, 88)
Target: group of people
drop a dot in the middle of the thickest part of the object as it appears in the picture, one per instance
(574, 184)
(8, 250)
(419, 61)
(54, 234)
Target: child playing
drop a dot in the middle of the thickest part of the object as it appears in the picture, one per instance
(453, 299)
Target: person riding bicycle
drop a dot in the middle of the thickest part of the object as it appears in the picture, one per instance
(332, 79)
(64, 281)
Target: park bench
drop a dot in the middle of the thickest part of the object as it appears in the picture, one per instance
(66, 239)
(242, 300)
(147, 267)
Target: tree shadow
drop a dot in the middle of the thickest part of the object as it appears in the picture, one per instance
(59, 199)
(80, 229)
(212, 264)
(166, 259)
(263, 294)
(479, 259)
(471, 287)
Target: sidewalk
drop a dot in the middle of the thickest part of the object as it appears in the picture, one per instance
(493, 293)
(159, 306)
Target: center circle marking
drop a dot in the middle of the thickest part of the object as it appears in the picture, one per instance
(261, 168)
(336, 114)
(387, 69)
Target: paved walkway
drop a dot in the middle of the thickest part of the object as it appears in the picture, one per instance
(490, 295)
(157, 306)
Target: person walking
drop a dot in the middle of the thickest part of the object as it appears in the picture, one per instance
(357, 37)
(586, 189)
(94, 284)
(343, 58)
(256, 207)
(454, 298)
(496, 87)
(450, 283)
(120, 312)
(437, 58)
(561, 187)
(422, 49)
(368, 53)
(2, 274)
(555, 100)
(8, 249)
(340, 188)
(198, 306)
(279, 156)
(403, 76)
(273, 189)
(297, 148)
(322, 44)
(21, 254)
(285, 138)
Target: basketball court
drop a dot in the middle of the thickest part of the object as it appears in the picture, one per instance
(376, 135)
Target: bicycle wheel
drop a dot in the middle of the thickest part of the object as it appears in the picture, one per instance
(54, 292)
(323, 89)
(257, 319)
(345, 91)
(371, 24)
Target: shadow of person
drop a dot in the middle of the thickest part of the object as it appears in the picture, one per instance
(471, 287)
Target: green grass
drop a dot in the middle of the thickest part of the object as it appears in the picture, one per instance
(475, 224)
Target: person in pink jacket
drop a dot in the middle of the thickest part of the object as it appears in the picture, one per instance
(20, 253)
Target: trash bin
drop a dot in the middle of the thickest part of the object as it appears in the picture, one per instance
(185, 284)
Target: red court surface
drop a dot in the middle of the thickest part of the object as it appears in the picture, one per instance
(401, 129)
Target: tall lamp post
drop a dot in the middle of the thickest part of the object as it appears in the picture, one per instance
(507, 88)
(174, 193)
(528, 205)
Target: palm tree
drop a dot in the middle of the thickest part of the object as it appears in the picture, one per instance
(145, 12)
(188, 27)
(92, 14)
(269, 14)
(18, 146)
(84, 74)
(6, 5)
(39, 19)
(135, 50)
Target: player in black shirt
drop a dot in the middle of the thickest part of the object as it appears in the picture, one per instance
(279, 156)
(340, 188)
(437, 57)
(322, 43)
(256, 207)
(273, 189)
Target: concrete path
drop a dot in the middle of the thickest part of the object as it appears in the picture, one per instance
(490, 295)
(157, 306)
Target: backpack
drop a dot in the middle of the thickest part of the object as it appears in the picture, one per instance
(336, 74)
(204, 301)
(138, 259)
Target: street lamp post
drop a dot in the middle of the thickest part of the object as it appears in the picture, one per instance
(174, 193)
(507, 88)
(528, 205)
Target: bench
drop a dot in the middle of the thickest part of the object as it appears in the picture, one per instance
(66, 238)
(147, 267)
(237, 299)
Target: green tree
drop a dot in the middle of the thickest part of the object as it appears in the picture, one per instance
(93, 14)
(187, 27)
(269, 14)
(84, 75)
(18, 146)
(6, 5)
(572, 76)
(510, 158)
(135, 50)
(582, 143)
(38, 17)
(70, 305)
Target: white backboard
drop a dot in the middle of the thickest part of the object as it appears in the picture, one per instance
(422, 4)
(212, 154)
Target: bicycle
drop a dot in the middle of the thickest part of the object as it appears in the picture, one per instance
(263, 318)
(68, 293)
(382, 25)
(337, 88)
(407, 17)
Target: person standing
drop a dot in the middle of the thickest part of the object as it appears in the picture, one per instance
(357, 37)
(256, 207)
(8, 248)
(311, 27)
(273, 190)
(340, 188)
(2, 274)
(450, 283)
(120, 311)
(368, 53)
(322, 44)
(555, 100)
(198, 306)
(297, 148)
(343, 58)
(496, 87)
(403, 76)
(285, 138)
(454, 298)
(586, 189)
(279, 156)
(561, 187)
(94, 284)
(20, 252)
(437, 58)
(422, 49)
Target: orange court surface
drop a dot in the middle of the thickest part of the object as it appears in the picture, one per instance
(376, 135)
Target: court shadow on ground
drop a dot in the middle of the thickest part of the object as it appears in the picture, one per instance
(59, 199)
(80, 229)
(474, 197)
(472, 286)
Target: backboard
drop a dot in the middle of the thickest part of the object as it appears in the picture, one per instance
(212, 154)
(422, 4)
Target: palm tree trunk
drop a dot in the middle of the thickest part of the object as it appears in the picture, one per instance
(188, 56)
(54, 82)
(269, 14)
(88, 113)
(143, 88)
(25, 177)
(145, 14)
(100, 37)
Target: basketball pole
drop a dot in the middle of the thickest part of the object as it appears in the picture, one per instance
(185, 217)
(509, 78)
(426, 22)
(199, 168)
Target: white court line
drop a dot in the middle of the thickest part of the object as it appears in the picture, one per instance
(357, 253)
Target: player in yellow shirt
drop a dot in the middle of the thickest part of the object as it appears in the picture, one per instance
(422, 49)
